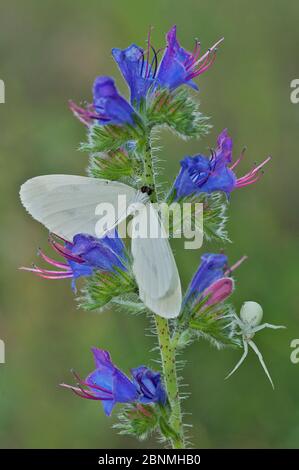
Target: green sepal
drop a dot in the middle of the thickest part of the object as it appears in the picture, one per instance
(101, 288)
(215, 207)
(178, 111)
(112, 137)
(138, 421)
(130, 303)
(214, 213)
(114, 165)
(214, 323)
(183, 338)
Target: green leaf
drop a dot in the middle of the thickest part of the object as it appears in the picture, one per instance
(178, 111)
(101, 288)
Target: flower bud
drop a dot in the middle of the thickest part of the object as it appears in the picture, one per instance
(251, 313)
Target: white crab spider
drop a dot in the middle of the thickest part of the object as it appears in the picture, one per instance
(251, 315)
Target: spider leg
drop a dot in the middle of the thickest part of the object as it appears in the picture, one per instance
(267, 325)
(259, 355)
(238, 321)
(245, 345)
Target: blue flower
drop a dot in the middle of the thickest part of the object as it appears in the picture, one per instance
(110, 385)
(179, 66)
(136, 70)
(149, 385)
(200, 174)
(211, 268)
(84, 255)
(108, 107)
(212, 279)
(142, 71)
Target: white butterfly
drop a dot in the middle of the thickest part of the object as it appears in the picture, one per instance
(66, 205)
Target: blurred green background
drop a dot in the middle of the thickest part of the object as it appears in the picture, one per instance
(50, 52)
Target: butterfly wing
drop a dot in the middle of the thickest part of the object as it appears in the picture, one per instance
(154, 265)
(66, 204)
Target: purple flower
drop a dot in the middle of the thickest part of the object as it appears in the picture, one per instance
(142, 71)
(149, 385)
(179, 66)
(108, 107)
(110, 385)
(83, 256)
(212, 279)
(138, 72)
(200, 174)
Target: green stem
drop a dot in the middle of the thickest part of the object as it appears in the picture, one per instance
(167, 352)
(149, 176)
(167, 349)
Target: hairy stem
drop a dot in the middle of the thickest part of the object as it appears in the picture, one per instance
(148, 175)
(167, 350)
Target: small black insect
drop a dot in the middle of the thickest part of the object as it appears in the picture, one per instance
(146, 189)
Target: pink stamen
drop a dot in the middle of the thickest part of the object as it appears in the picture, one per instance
(262, 164)
(200, 63)
(48, 276)
(203, 68)
(51, 271)
(209, 51)
(86, 115)
(236, 163)
(210, 59)
(64, 251)
(96, 387)
(80, 113)
(51, 235)
(253, 176)
(254, 171)
(91, 395)
(194, 56)
(242, 185)
(38, 270)
(196, 52)
(52, 261)
(83, 393)
(235, 266)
